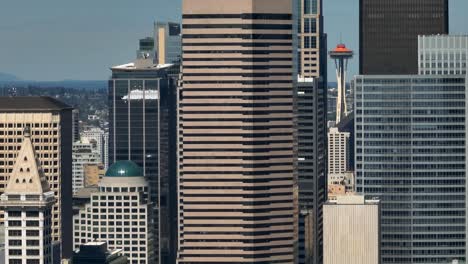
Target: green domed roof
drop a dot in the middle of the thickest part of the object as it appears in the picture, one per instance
(125, 168)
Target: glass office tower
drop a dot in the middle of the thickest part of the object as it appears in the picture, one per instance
(411, 154)
(142, 128)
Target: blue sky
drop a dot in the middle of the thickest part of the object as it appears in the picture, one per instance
(56, 39)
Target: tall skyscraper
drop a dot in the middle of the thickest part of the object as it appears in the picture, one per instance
(51, 132)
(443, 54)
(142, 128)
(411, 153)
(312, 166)
(119, 214)
(237, 186)
(389, 29)
(311, 97)
(27, 201)
(351, 230)
(312, 45)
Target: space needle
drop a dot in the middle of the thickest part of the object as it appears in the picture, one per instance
(341, 55)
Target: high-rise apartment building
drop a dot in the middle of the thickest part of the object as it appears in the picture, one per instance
(338, 151)
(443, 54)
(411, 153)
(119, 214)
(27, 202)
(351, 227)
(83, 154)
(237, 186)
(97, 137)
(389, 29)
(142, 128)
(51, 133)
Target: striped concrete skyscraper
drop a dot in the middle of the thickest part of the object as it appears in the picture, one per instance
(237, 188)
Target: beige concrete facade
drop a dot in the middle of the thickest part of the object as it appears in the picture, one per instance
(93, 173)
(351, 230)
(47, 129)
(236, 155)
(309, 38)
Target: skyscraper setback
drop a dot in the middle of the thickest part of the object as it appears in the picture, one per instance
(236, 132)
(389, 29)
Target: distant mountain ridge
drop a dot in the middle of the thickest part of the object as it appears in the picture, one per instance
(6, 77)
(72, 84)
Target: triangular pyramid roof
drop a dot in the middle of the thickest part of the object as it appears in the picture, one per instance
(27, 176)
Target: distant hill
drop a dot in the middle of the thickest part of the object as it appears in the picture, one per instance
(6, 77)
(74, 84)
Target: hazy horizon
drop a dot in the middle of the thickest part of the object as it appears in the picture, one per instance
(54, 40)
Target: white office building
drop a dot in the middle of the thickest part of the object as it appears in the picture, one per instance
(338, 151)
(119, 214)
(351, 232)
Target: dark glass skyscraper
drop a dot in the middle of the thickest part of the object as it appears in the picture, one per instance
(311, 66)
(389, 30)
(142, 128)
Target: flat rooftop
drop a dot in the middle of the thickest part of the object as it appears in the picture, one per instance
(31, 103)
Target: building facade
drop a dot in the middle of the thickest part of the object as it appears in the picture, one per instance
(351, 227)
(443, 54)
(97, 137)
(311, 40)
(311, 69)
(119, 214)
(338, 151)
(93, 173)
(237, 193)
(76, 125)
(168, 43)
(27, 202)
(312, 166)
(83, 154)
(51, 132)
(411, 153)
(142, 128)
(389, 29)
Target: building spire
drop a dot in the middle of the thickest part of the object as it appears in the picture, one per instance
(27, 176)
